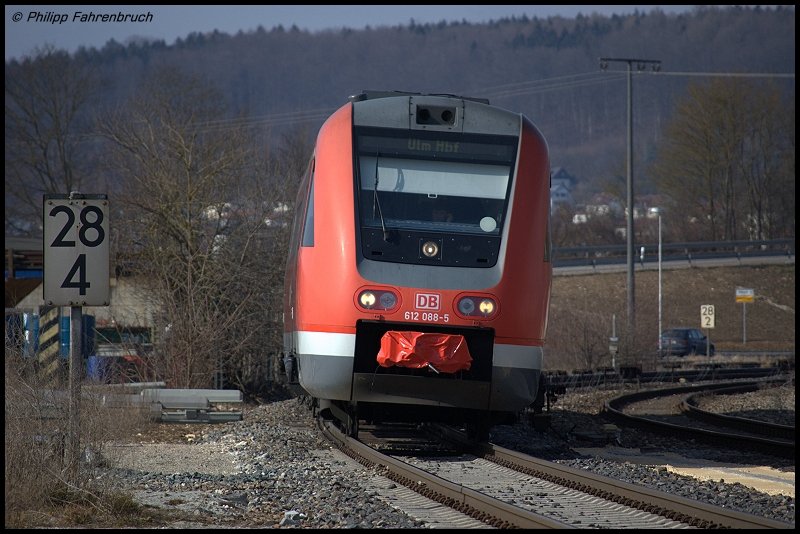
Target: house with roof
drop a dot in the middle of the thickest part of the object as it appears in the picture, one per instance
(560, 176)
(561, 184)
(560, 196)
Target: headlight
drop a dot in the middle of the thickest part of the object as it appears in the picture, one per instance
(475, 306)
(367, 299)
(377, 299)
(466, 306)
(486, 307)
(388, 300)
(430, 249)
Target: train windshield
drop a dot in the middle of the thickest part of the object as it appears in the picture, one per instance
(457, 184)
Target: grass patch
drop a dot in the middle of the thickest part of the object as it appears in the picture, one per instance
(42, 486)
(70, 507)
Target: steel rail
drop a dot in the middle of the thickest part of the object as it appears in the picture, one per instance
(614, 409)
(690, 407)
(468, 501)
(671, 506)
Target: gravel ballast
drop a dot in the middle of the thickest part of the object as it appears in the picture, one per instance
(273, 468)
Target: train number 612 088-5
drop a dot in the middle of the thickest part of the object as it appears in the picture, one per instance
(431, 317)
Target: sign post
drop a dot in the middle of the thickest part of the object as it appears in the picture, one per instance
(744, 295)
(76, 274)
(613, 348)
(613, 342)
(707, 321)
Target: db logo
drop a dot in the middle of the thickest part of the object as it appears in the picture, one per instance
(427, 301)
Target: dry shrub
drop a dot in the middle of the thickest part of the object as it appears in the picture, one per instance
(38, 479)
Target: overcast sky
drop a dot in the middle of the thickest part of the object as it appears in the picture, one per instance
(71, 26)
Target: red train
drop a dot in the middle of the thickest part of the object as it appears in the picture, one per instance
(418, 276)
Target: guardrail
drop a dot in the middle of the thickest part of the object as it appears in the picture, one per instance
(590, 255)
(594, 255)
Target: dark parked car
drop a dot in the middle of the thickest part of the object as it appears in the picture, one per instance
(684, 341)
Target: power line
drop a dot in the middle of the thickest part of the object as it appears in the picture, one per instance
(710, 74)
(544, 85)
(516, 85)
(553, 87)
(732, 74)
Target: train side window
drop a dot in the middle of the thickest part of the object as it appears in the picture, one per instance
(548, 243)
(300, 205)
(308, 227)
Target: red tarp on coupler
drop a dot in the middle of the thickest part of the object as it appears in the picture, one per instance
(444, 353)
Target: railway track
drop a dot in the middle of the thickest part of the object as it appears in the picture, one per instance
(506, 489)
(673, 374)
(691, 407)
(674, 411)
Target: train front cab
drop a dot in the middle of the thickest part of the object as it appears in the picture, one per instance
(472, 185)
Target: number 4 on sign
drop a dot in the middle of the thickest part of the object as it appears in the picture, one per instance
(707, 316)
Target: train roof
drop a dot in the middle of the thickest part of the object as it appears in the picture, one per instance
(371, 95)
(432, 112)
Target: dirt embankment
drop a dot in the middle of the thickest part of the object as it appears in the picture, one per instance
(584, 308)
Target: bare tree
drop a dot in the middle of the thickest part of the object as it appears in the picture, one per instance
(579, 338)
(578, 332)
(48, 143)
(207, 224)
(766, 149)
(723, 156)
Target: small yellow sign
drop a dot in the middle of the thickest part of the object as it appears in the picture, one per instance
(744, 295)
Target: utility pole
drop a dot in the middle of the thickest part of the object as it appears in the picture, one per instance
(641, 65)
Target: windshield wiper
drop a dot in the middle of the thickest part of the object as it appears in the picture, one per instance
(376, 203)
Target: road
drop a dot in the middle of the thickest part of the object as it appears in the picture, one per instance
(673, 264)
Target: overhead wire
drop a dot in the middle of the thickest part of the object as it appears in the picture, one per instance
(544, 85)
(500, 91)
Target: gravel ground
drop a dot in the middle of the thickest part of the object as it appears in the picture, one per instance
(273, 469)
(775, 405)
